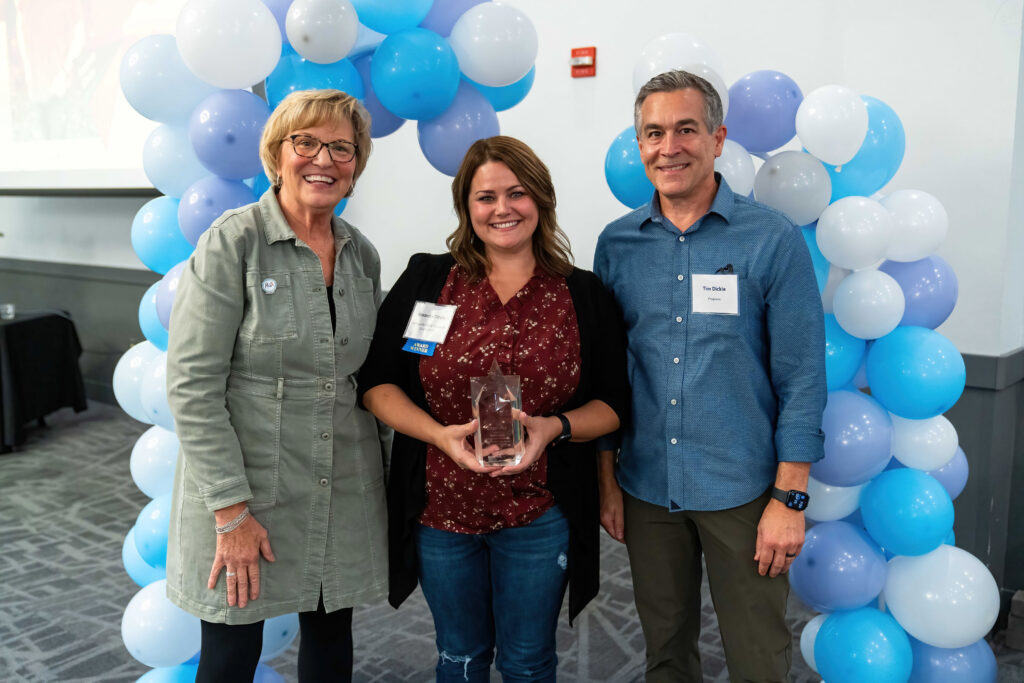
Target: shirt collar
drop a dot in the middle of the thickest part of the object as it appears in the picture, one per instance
(722, 205)
(277, 229)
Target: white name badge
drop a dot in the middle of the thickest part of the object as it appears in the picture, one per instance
(429, 322)
(716, 294)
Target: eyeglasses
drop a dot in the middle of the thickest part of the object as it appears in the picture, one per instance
(309, 147)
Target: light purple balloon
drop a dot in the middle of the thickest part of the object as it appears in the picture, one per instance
(930, 289)
(279, 8)
(205, 200)
(762, 110)
(225, 131)
(382, 121)
(953, 475)
(858, 439)
(838, 568)
(446, 139)
(165, 293)
(444, 13)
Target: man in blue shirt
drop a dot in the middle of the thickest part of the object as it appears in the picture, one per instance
(726, 363)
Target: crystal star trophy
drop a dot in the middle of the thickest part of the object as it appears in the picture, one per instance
(499, 435)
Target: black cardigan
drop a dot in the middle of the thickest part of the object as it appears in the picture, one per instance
(572, 467)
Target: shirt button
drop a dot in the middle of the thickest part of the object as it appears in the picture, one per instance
(682, 238)
(679, 318)
(341, 291)
(673, 401)
(328, 386)
(325, 436)
(318, 289)
(679, 277)
(344, 341)
(676, 361)
(674, 442)
(324, 482)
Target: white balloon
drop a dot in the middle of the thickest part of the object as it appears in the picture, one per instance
(924, 444)
(737, 167)
(945, 598)
(496, 44)
(155, 631)
(153, 460)
(716, 81)
(153, 393)
(807, 638)
(868, 304)
(854, 232)
(672, 51)
(920, 224)
(228, 43)
(128, 374)
(796, 184)
(829, 503)
(832, 123)
(322, 31)
(828, 292)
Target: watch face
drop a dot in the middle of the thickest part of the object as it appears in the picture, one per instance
(797, 500)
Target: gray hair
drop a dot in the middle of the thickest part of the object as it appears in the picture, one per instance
(671, 81)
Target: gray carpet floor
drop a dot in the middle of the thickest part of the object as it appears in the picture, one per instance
(67, 500)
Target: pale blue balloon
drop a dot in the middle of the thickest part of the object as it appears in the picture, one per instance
(415, 74)
(278, 634)
(508, 96)
(445, 139)
(127, 381)
(878, 158)
(843, 354)
(153, 460)
(862, 645)
(156, 82)
(390, 16)
(151, 530)
(169, 161)
(225, 131)
(149, 320)
(907, 511)
(915, 372)
(137, 568)
(264, 674)
(624, 171)
(156, 237)
(294, 72)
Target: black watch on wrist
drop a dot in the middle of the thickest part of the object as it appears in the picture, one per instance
(566, 430)
(794, 500)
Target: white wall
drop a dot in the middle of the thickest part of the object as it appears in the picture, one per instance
(951, 70)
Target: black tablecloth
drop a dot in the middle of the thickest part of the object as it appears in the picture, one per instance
(39, 371)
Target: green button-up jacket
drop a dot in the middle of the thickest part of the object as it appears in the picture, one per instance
(264, 402)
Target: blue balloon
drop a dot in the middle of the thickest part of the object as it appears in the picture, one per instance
(294, 72)
(843, 354)
(156, 237)
(279, 8)
(151, 530)
(445, 139)
(205, 200)
(415, 74)
(907, 511)
(915, 372)
(930, 289)
(878, 158)
(264, 674)
(340, 208)
(975, 663)
(259, 184)
(156, 82)
(818, 259)
(624, 171)
(762, 110)
(183, 673)
(382, 122)
(862, 645)
(166, 289)
(839, 568)
(149, 320)
(508, 96)
(444, 13)
(858, 439)
(278, 634)
(138, 569)
(169, 161)
(953, 475)
(225, 132)
(389, 16)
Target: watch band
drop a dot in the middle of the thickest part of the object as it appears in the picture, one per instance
(566, 430)
(794, 500)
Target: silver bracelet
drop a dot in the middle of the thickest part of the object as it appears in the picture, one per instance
(235, 523)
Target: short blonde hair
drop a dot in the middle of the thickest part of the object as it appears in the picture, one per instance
(308, 108)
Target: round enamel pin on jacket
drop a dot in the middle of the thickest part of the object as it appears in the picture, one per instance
(269, 285)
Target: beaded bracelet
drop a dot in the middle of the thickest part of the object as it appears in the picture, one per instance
(235, 523)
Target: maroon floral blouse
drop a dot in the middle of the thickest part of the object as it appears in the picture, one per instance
(534, 335)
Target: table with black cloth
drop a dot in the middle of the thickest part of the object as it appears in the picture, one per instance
(39, 371)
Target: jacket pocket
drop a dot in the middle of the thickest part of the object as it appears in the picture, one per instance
(256, 419)
(269, 314)
(366, 306)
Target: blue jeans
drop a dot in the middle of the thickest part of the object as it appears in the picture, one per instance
(503, 588)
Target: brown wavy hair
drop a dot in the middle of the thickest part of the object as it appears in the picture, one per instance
(550, 244)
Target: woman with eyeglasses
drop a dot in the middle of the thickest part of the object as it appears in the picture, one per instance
(279, 490)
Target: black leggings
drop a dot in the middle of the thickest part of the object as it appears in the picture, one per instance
(230, 653)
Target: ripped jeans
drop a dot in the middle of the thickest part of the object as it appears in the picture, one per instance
(504, 588)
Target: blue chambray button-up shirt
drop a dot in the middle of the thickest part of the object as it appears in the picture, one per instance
(718, 400)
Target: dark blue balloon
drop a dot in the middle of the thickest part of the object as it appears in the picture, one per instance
(878, 158)
(862, 645)
(975, 663)
(149, 319)
(843, 354)
(915, 372)
(294, 72)
(415, 74)
(930, 289)
(382, 122)
(907, 511)
(205, 200)
(508, 96)
(624, 171)
(762, 110)
(839, 568)
(225, 132)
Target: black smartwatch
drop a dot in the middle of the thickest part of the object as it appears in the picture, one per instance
(794, 500)
(566, 430)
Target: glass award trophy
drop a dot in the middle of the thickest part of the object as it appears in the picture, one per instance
(499, 436)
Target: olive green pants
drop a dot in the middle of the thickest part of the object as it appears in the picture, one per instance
(665, 558)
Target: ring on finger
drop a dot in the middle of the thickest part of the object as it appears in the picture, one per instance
(230, 574)
(791, 555)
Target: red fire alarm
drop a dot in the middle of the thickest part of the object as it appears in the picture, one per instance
(583, 62)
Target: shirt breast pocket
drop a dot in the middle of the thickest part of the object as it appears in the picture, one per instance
(269, 307)
(726, 325)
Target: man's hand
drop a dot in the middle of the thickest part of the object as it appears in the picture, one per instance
(780, 536)
(612, 518)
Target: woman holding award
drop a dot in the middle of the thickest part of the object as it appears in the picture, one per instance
(495, 545)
